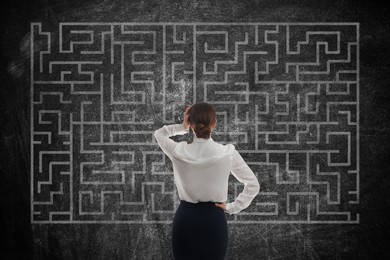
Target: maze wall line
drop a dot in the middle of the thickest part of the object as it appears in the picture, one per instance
(286, 94)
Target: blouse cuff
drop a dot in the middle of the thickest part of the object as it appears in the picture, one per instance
(180, 129)
(229, 208)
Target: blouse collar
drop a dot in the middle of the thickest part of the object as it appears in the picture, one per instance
(202, 140)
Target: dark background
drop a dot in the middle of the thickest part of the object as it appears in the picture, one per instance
(368, 240)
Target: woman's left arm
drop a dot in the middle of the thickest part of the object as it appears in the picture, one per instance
(162, 136)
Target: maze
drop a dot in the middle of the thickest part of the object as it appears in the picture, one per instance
(286, 94)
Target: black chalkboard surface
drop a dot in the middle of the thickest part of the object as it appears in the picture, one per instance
(300, 87)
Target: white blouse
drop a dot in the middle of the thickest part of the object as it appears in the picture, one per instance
(201, 169)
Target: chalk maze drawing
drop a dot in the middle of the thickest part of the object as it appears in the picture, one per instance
(286, 94)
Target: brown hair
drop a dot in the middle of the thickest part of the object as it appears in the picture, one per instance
(201, 117)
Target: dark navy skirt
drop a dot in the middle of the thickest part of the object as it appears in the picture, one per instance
(199, 231)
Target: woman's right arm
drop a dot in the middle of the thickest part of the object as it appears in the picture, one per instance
(243, 174)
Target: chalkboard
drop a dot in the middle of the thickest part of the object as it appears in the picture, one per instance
(299, 87)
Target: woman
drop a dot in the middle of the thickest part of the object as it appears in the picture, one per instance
(201, 173)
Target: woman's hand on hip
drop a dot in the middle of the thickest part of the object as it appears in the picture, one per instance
(221, 205)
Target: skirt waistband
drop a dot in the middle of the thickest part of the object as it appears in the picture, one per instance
(199, 203)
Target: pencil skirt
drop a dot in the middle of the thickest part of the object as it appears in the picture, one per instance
(199, 231)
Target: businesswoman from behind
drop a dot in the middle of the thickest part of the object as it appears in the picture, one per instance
(201, 172)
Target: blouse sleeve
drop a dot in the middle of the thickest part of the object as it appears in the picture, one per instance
(245, 175)
(162, 136)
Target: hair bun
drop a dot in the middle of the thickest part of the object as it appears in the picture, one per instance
(202, 131)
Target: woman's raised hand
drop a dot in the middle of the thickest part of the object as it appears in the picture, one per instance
(185, 118)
